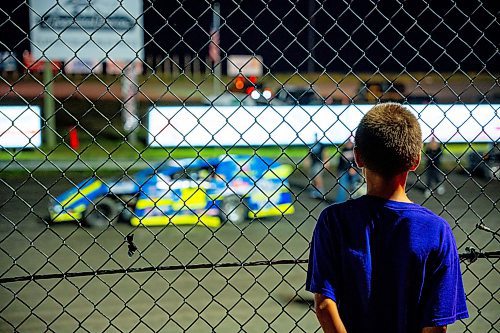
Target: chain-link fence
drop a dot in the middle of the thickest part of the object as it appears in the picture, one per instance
(163, 163)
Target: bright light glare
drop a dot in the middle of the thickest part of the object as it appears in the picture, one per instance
(170, 126)
(255, 94)
(267, 94)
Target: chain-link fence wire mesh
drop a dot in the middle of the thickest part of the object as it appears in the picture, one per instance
(147, 186)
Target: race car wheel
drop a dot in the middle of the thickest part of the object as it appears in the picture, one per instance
(233, 210)
(126, 206)
(102, 213)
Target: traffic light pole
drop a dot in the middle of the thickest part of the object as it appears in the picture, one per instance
(217, 66)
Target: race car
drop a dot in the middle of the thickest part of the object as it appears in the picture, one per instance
(187, 191)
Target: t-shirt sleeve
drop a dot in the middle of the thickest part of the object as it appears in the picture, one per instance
(321, 268)
(446, 301)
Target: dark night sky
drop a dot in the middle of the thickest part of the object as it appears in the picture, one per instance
(349, 35)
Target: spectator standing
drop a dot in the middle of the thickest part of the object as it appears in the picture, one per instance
(316, 157)
(347, 175)
(433, 153)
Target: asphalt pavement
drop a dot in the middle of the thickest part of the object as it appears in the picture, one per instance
(248, 299)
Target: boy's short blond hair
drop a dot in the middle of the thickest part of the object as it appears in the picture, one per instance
(389, 139)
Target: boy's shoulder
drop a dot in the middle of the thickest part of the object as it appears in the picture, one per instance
(396, 222)
(367, 207)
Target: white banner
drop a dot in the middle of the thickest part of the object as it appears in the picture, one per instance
(172, 126)
(96, 29)
(20, 126)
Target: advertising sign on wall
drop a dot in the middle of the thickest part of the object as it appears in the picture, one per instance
(172, 126)
(95, 29)
(20, 126)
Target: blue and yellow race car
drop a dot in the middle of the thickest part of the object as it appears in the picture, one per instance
(187, 191)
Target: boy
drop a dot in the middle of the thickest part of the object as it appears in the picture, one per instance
(381, 263)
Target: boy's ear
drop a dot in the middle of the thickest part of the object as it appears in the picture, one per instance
(358, 159)
(417, 162)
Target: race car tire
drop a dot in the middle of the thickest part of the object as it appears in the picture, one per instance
(233, 209)
(126, 214)
(126, 206)
(102, 213)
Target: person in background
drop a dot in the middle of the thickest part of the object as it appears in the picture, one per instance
(433, 153)
(347, 175)
(316, 158)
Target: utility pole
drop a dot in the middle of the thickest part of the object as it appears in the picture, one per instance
(49, 105)
(213, 48)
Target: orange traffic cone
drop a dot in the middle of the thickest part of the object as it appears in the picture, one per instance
(74, 142)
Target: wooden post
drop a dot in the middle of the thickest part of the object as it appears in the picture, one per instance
(175, 66)
(149, 63)
(158, 67)
(196, 68)
(166, 66)
(188, 70)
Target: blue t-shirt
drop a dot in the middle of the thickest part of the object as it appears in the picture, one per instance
(390, 266)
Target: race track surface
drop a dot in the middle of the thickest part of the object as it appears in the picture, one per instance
(248, 299)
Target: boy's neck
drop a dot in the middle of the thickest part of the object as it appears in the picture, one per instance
(390, 188)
